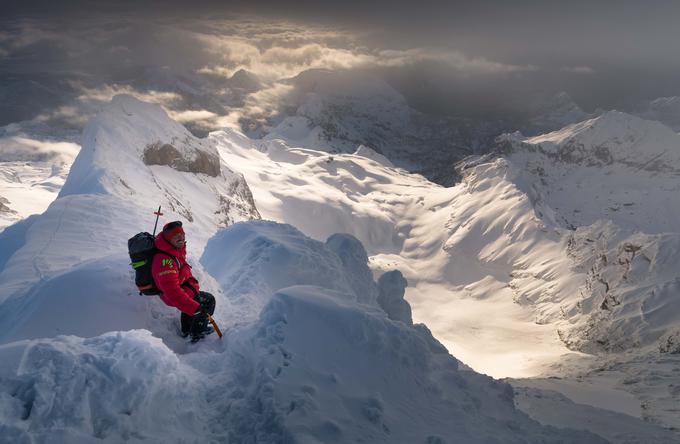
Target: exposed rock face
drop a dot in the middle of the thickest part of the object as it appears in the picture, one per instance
(167, 154)
(4, 208)
(670, 343)
(238, 202)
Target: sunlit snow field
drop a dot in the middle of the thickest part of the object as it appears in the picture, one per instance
(489, 265)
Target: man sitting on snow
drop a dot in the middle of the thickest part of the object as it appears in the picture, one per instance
(172, 275)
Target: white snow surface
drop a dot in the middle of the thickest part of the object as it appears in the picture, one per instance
(308, 354)
(78, 243)
(614, 182)
(34, 163)
(554, 408)
(566, 239)
(434, 235)
(339, 111)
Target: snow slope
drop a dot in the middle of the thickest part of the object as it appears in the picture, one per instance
(552, 407)
(436, 236)
(624, 237)
(337, 111)
(564, 239)
(308, 355)
(612, 183)
(78, 244)
(315, 365)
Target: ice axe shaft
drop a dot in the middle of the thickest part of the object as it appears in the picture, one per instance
(158, 214)
(214, 324)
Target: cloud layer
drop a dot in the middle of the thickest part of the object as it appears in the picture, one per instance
(211, 70)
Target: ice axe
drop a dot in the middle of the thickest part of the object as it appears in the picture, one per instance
(214, 324)
(158, 214)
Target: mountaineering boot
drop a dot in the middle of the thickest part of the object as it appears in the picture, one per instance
(195, 337)
(198, 325)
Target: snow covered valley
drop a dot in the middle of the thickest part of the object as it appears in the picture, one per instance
(34, 163)
(552, 262)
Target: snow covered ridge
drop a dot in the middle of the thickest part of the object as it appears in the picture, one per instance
(489, 263)
(129, 136)
(319, 362)
(314, 349)
(337, 111)
(78, 243)
(613, 137)
(610, 186)
(557, 111)
(664, 109)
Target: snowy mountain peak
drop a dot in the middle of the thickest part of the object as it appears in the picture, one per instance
(613, 137)
(553, 112)
(663, 109)
(560, 103)
(128, 135)
(245, 80)
(606, 125)
(133, 150)
(78, 243)
(673, 101)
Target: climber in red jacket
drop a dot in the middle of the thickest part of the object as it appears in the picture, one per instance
(179, 288)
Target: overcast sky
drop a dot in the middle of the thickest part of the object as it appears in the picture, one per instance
(446, 56)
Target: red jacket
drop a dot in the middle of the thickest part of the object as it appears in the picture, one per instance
(174, 283)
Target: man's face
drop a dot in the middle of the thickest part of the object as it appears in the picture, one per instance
(178, 241)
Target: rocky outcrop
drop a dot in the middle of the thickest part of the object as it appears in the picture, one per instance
(4, 206)
(670, 343)
(166, 154)
(238, 204)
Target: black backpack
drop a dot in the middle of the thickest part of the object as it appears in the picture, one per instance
(142, 249)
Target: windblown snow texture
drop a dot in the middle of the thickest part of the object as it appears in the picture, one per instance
(308, 354)
(623, 238)
(315, 365)
(566, 239)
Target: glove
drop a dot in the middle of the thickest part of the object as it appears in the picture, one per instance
(201, 311)
(205, 303)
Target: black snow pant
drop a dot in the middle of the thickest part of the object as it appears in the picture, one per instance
(195, 325)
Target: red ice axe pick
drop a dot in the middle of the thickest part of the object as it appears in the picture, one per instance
(214, 324)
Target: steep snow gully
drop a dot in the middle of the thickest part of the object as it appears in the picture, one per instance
(315, 349)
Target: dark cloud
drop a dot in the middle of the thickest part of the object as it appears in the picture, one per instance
(470, 58)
